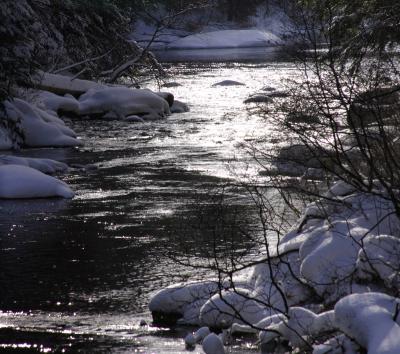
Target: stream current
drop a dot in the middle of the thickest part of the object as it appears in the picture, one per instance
(76, 275)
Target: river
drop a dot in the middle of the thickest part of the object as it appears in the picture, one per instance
(76, 275)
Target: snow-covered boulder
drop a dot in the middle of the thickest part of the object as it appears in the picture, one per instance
(122, 102)
(40, 128)
(6, 142)
(43, 165)
(380, 257)
(328, 258)
(227, 39)
(229, 83)
(61, 84)
(300, 326)
(179, 107)
(238, 306)
(17, 181)
(58, 104)
(372, 320)
(181, 301)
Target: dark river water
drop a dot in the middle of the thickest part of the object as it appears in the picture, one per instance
(76, 275)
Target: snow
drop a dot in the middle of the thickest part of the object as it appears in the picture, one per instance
(61, 84)
(58, 103)
(5, 139)
(227, 39)
(343, 252)
(18, 181)
(229, 83)
(183, 299)
(369, 319)
(212, 344)
(123, 102)
(40, 128)
(300, 326)
(47, 166)
(197, 337)
(380, 257)
(232, 307)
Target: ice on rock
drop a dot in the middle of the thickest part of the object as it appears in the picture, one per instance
(17, 181)
(43, 165)
(124, 102)
(372, 320)
(40, 128)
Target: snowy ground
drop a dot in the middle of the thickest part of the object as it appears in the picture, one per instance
(264, 29)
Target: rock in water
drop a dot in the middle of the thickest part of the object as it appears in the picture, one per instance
(212, 344)
(229, 83)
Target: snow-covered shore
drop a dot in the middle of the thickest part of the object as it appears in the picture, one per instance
(36, 121)
(268, 27)
(329, 287)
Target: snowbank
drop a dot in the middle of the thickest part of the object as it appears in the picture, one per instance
(227, 39)
(372, 320)
(121, 102)
(40, 128)
(47, 166)
(344, 252)
(60, 84)
(17, 181)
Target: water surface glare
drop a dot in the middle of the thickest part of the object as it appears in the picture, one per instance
(76, 275)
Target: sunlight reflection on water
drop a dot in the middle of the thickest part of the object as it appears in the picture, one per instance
(79, 273)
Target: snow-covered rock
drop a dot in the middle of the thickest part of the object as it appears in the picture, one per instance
(40, 128)
(212, 344)
(17, 181)
(123, 102)
(299, 328)
(372, 320)
(58, 103)
(227, 39)
(179, 107)
(43, 165)
(183, 301)
(6, 142)
(60, 84)
(380, 257)
(229, 83)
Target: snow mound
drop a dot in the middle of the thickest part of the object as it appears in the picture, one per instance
(380, 257)
(300, 326)
(372, 320)
(121, 102)
(43, 165)
(182, 300)
(17, 182)
(227, 39)
(40, 128)
(58, 103)
(222, 310)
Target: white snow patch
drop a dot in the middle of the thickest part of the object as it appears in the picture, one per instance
(370, 320)
(17, 181)
(123, 102)
(40, 128)
(43, 165)
(227, 39)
